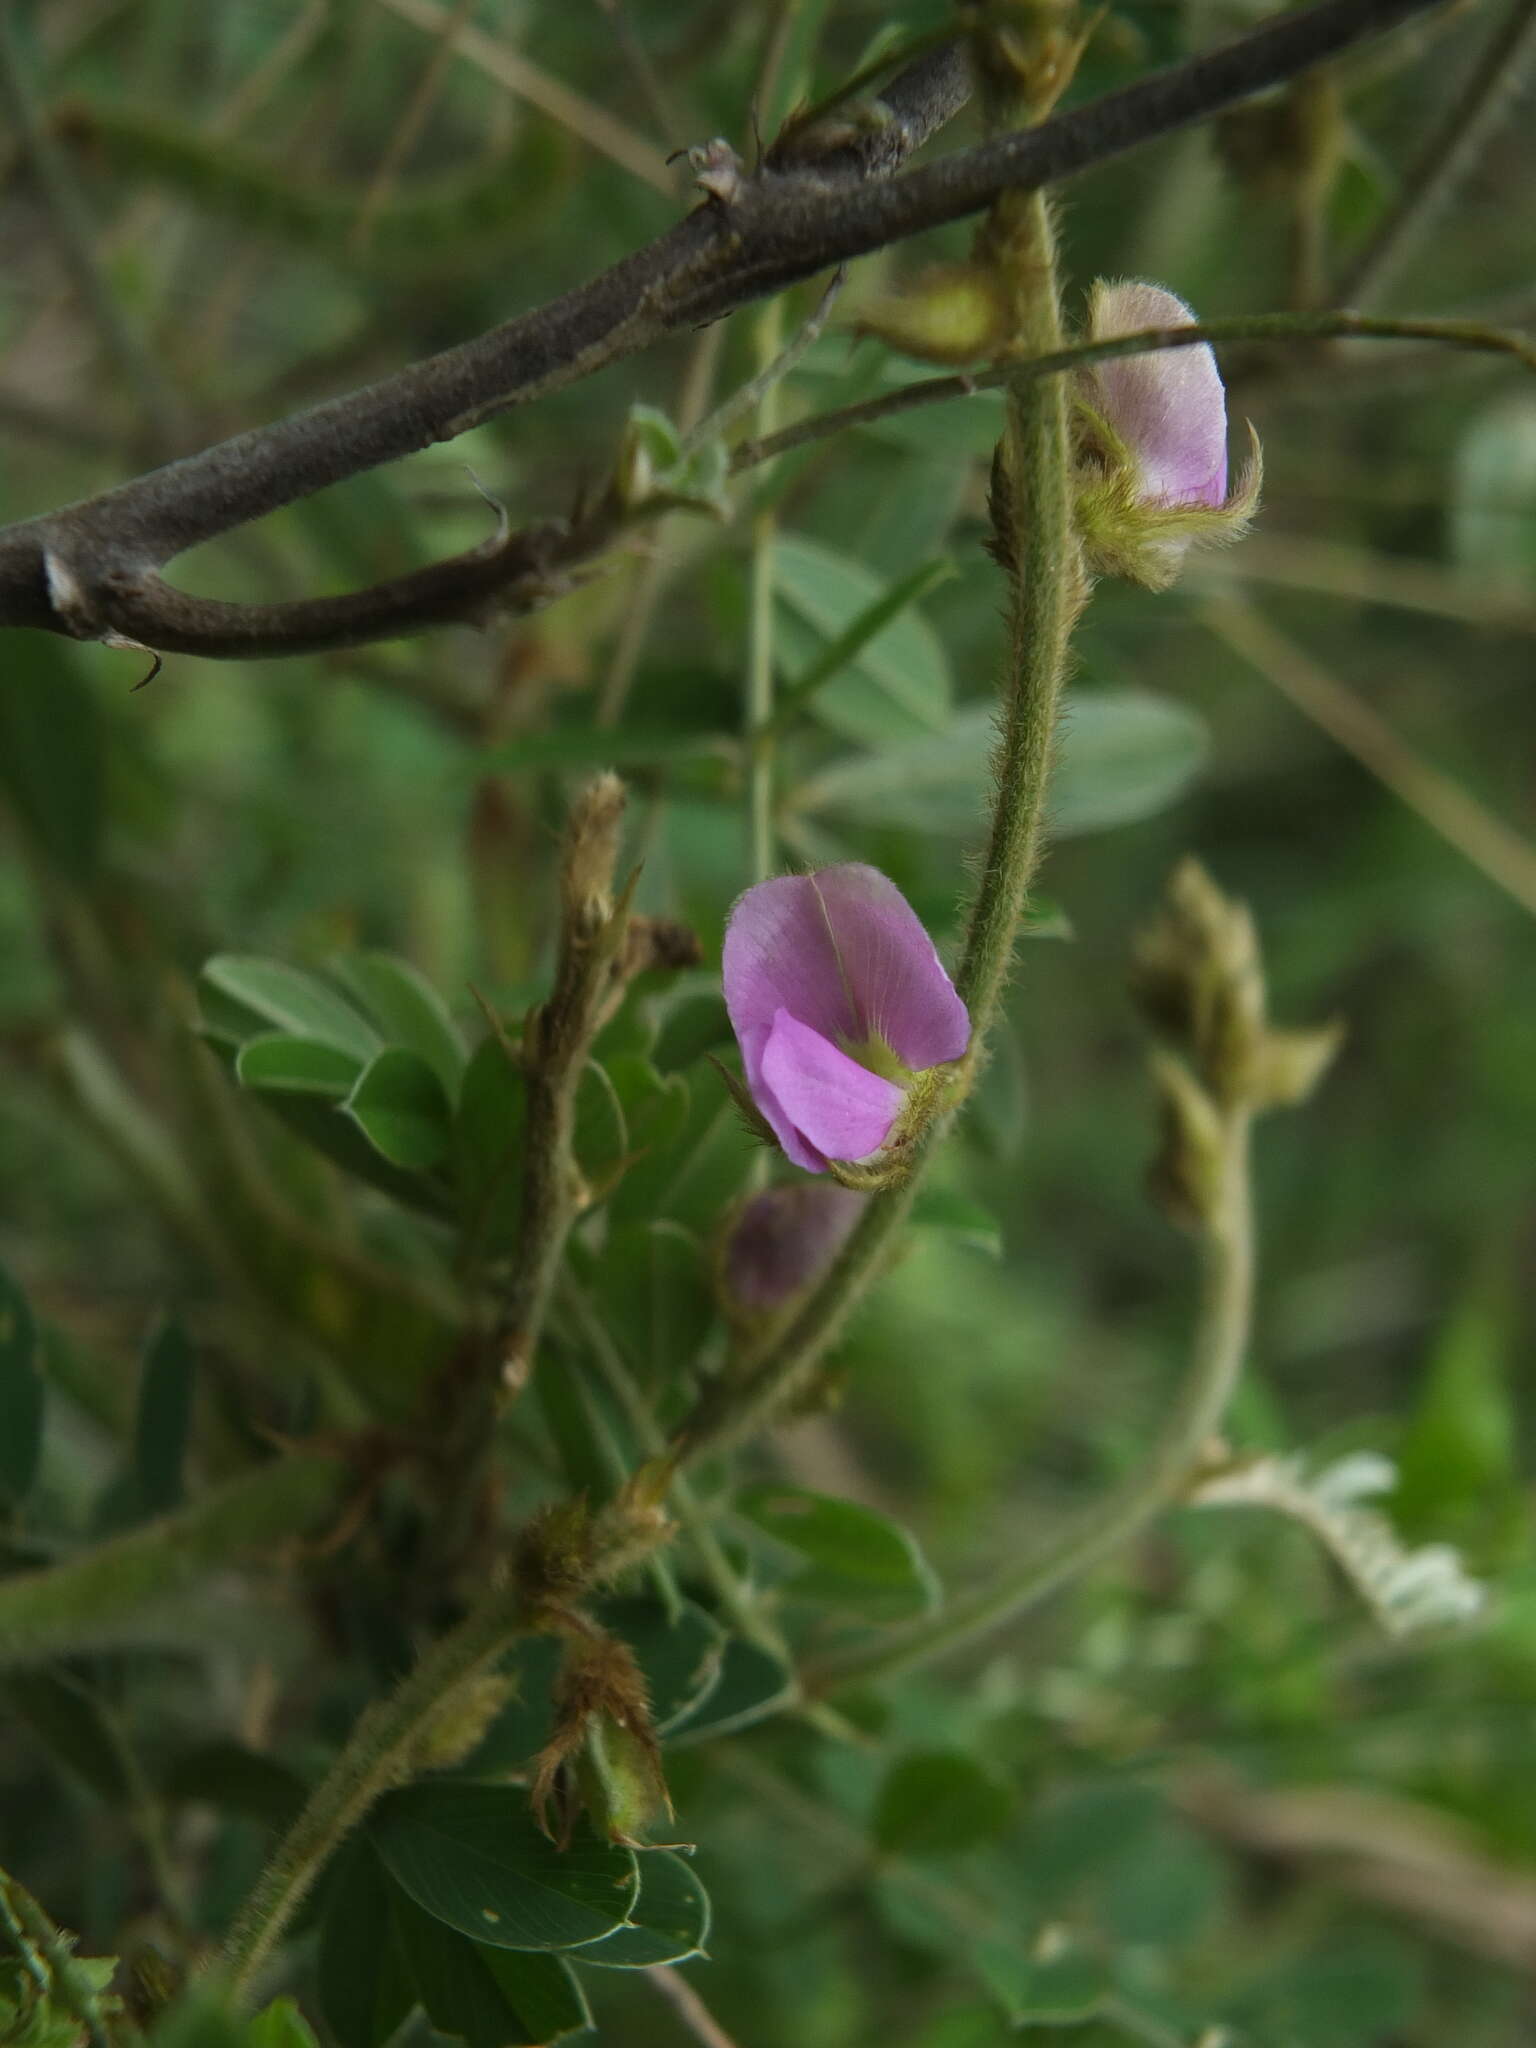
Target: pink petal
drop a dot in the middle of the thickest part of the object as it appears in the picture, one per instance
(779, 955)
(844, 952)
(1169, 407)
(833, 1104)
(795, 1149)
(899, 984)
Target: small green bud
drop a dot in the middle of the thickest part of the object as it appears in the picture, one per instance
(1185, 1175)
(954, 313)
(1288, 1065)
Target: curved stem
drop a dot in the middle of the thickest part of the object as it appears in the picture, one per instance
(378, 1755)
(1220, 1343)
(1306, 326)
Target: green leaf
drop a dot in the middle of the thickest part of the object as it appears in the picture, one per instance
(669, 1923)
(857, 1557)
(163, 1419)
(296, 1066)
(938, 1802)
(488, 1145)
(402, 1109)
(21, 1393)
(408, 1011)
(1458, 1458)
(364, 1989)
(851, 642)
(281, 2025)
(1064, 1988)
(288, 1000)
(957, 1216)
(753, 1684)
(656, 1282)
(487, 1997)
(474, 1857)
(898, 685)
(1125, 754)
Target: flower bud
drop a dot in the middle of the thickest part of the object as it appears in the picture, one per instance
(1152, 445)
(954, 313)
(848, 1025)
(602, 1754)
(781, 1242)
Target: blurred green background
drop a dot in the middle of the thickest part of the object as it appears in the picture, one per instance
(1238, 1796)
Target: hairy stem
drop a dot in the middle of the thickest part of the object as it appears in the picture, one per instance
(379, 1755)
(1048, 591)
(1220, 1343)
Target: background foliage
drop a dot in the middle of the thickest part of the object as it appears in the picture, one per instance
(1205, 1788)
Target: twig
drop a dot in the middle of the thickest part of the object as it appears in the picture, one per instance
(1448, 156)
(689, 2007)
(1502, 855)
(91, 570)
(658, 566)
(557, 1040)
(756, 389)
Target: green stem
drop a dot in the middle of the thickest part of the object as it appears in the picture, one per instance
(709, 1552)
(63, 1982)
(1305, 326)
(1220, 1343)
(379, 1755)
(133, 1588)
(757, 702)
(1033, 484)
(1047, 596)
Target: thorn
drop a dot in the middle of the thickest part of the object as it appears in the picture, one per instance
(503, 517)
(158, 661)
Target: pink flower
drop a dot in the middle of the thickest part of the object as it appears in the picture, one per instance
(1152, 446)
(839, 1003)
(1170, 407)
(783, 1241)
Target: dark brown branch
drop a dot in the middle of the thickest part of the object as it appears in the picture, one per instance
(91, 570)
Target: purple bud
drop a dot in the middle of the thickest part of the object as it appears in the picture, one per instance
(784, 1240)
(838, 1001)
(1168, 407)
